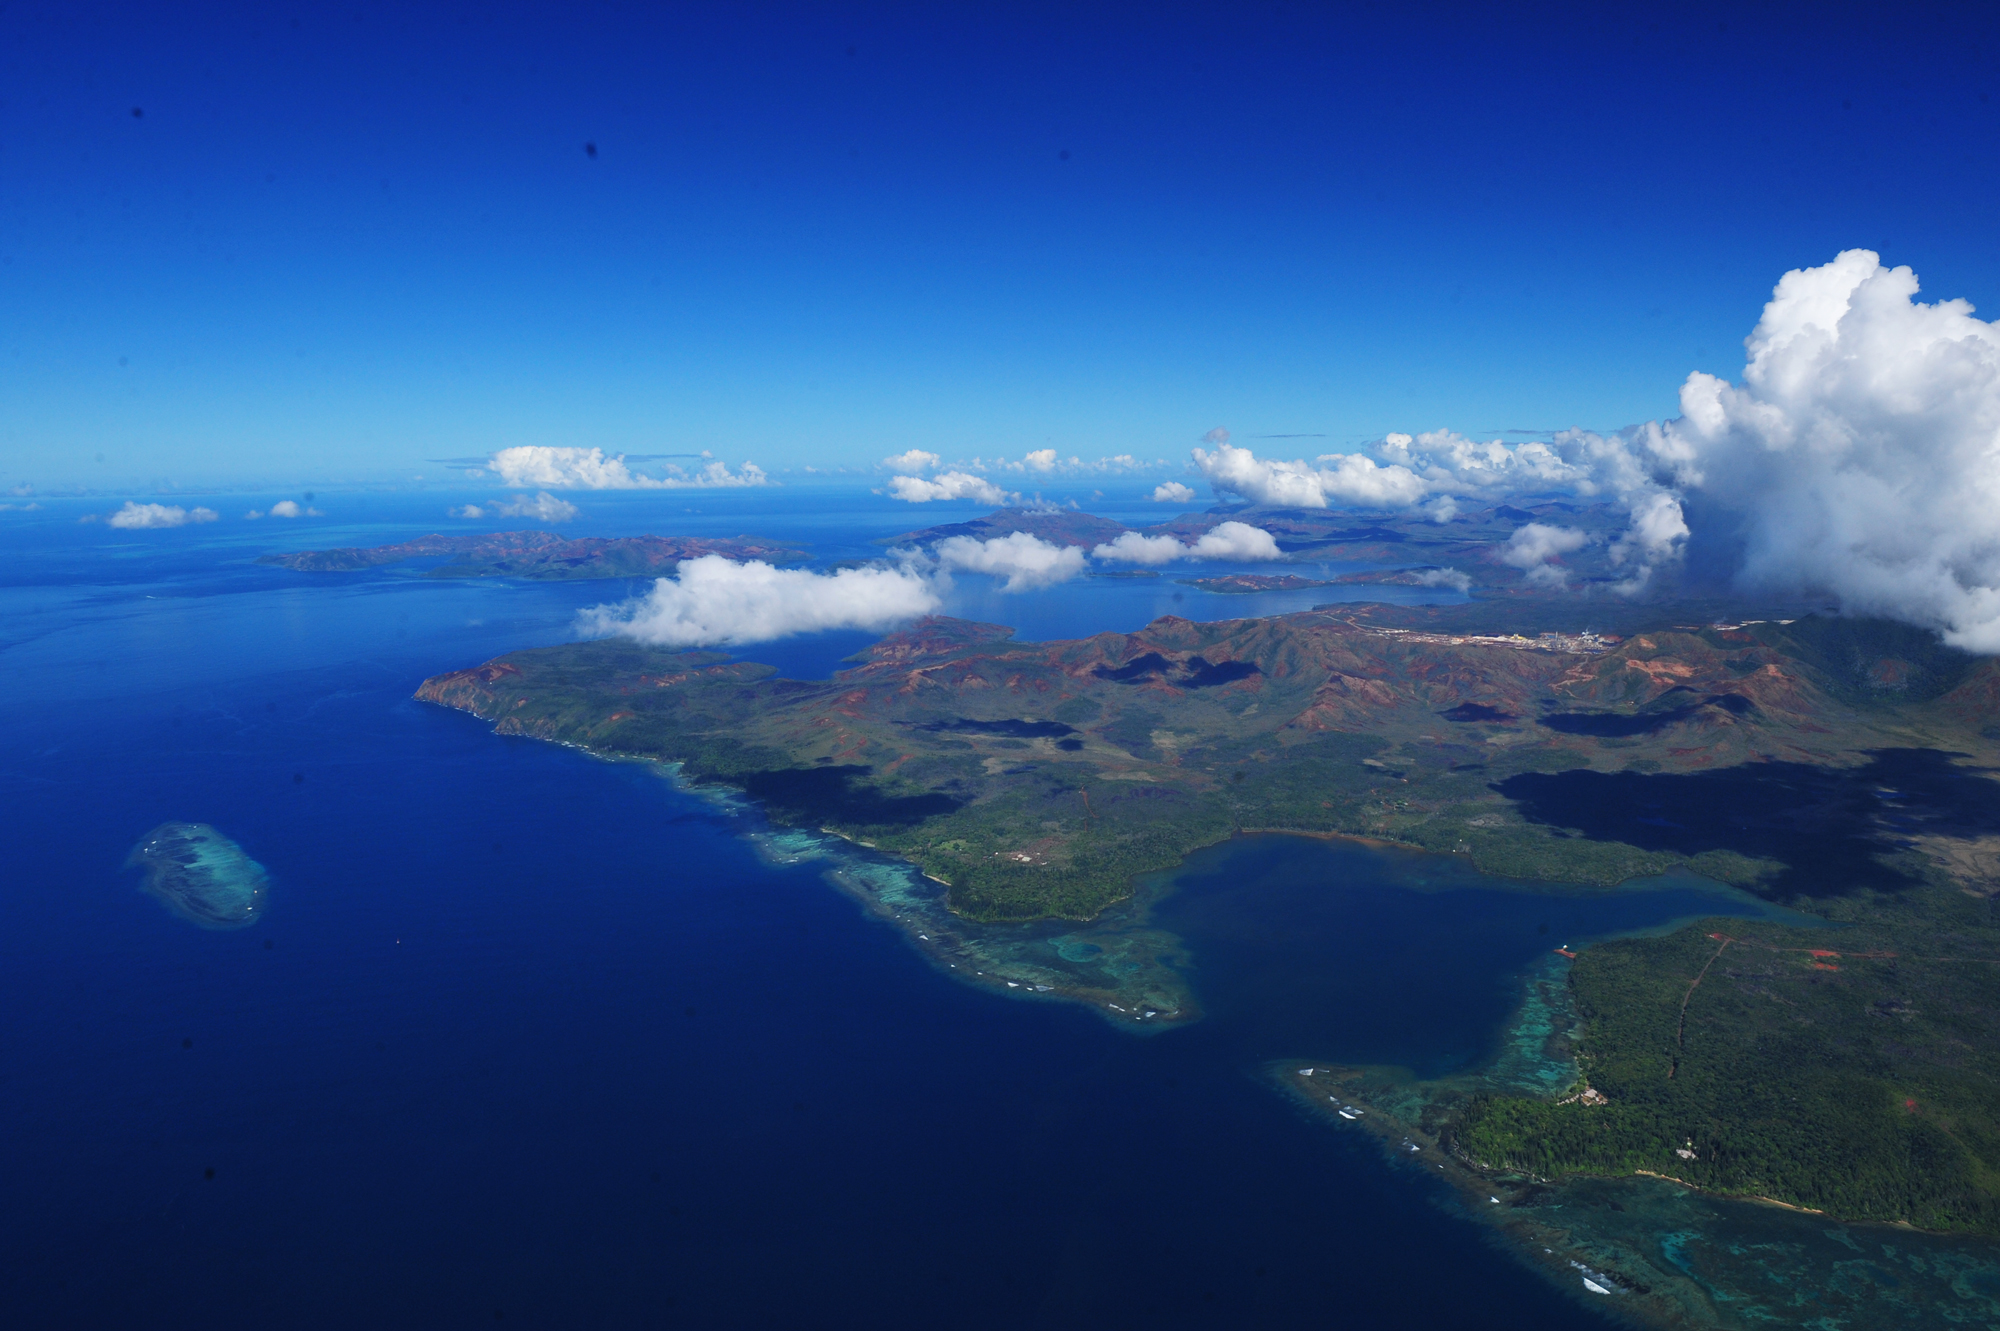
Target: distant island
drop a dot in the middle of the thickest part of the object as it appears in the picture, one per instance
(1839, 766)
(539, 555)
(1437, 727)
(1243, 584)
(1058, 526)
(1465, 554)
(1467, 550)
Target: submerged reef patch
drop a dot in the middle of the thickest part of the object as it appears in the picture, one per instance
(201, 875)
(1119, 964)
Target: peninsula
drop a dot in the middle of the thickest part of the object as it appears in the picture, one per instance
(1840, 766)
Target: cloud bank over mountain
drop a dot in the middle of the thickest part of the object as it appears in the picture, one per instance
(1858, 458)
(1225, 540)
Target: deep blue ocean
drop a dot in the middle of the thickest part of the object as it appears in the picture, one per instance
(529, 1039)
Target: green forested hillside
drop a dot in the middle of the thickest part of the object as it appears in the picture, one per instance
(1853, 1069)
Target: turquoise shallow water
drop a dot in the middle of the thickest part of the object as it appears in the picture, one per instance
(521, 1037)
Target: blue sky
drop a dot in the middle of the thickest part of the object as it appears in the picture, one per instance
(339, 241)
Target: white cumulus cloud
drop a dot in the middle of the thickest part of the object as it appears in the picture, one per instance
(716, 475)
(135, 516)
(468, 511)
(564, 468)
(1347, 478)
(1449, 463)
(1236, 540)
(1226, 541)
(714, 601)
(1025, 561)
(949, 485)
(1534, 544)
(1353, 479)
(1857, 458)
(1860, 455)
(544, 507)
(543, 466)
(286, 508)
(1434, 472)
(1655, 536)
(1456, 579)
(912, 462)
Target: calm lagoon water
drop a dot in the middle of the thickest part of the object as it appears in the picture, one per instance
(524, 1038)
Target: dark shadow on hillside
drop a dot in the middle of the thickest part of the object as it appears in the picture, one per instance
(1477, 711)
(1202, 675)
(1134, 670)
(1011, 729)
(813, 795)
(1196, 673)
(1619, 725)
(1827, 826)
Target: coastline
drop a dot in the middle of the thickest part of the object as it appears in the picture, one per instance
(1114, 964)
(1653, 1249)
(1110, 962)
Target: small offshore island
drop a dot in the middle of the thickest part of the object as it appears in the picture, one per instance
(1848, 1066)
(201, 875)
